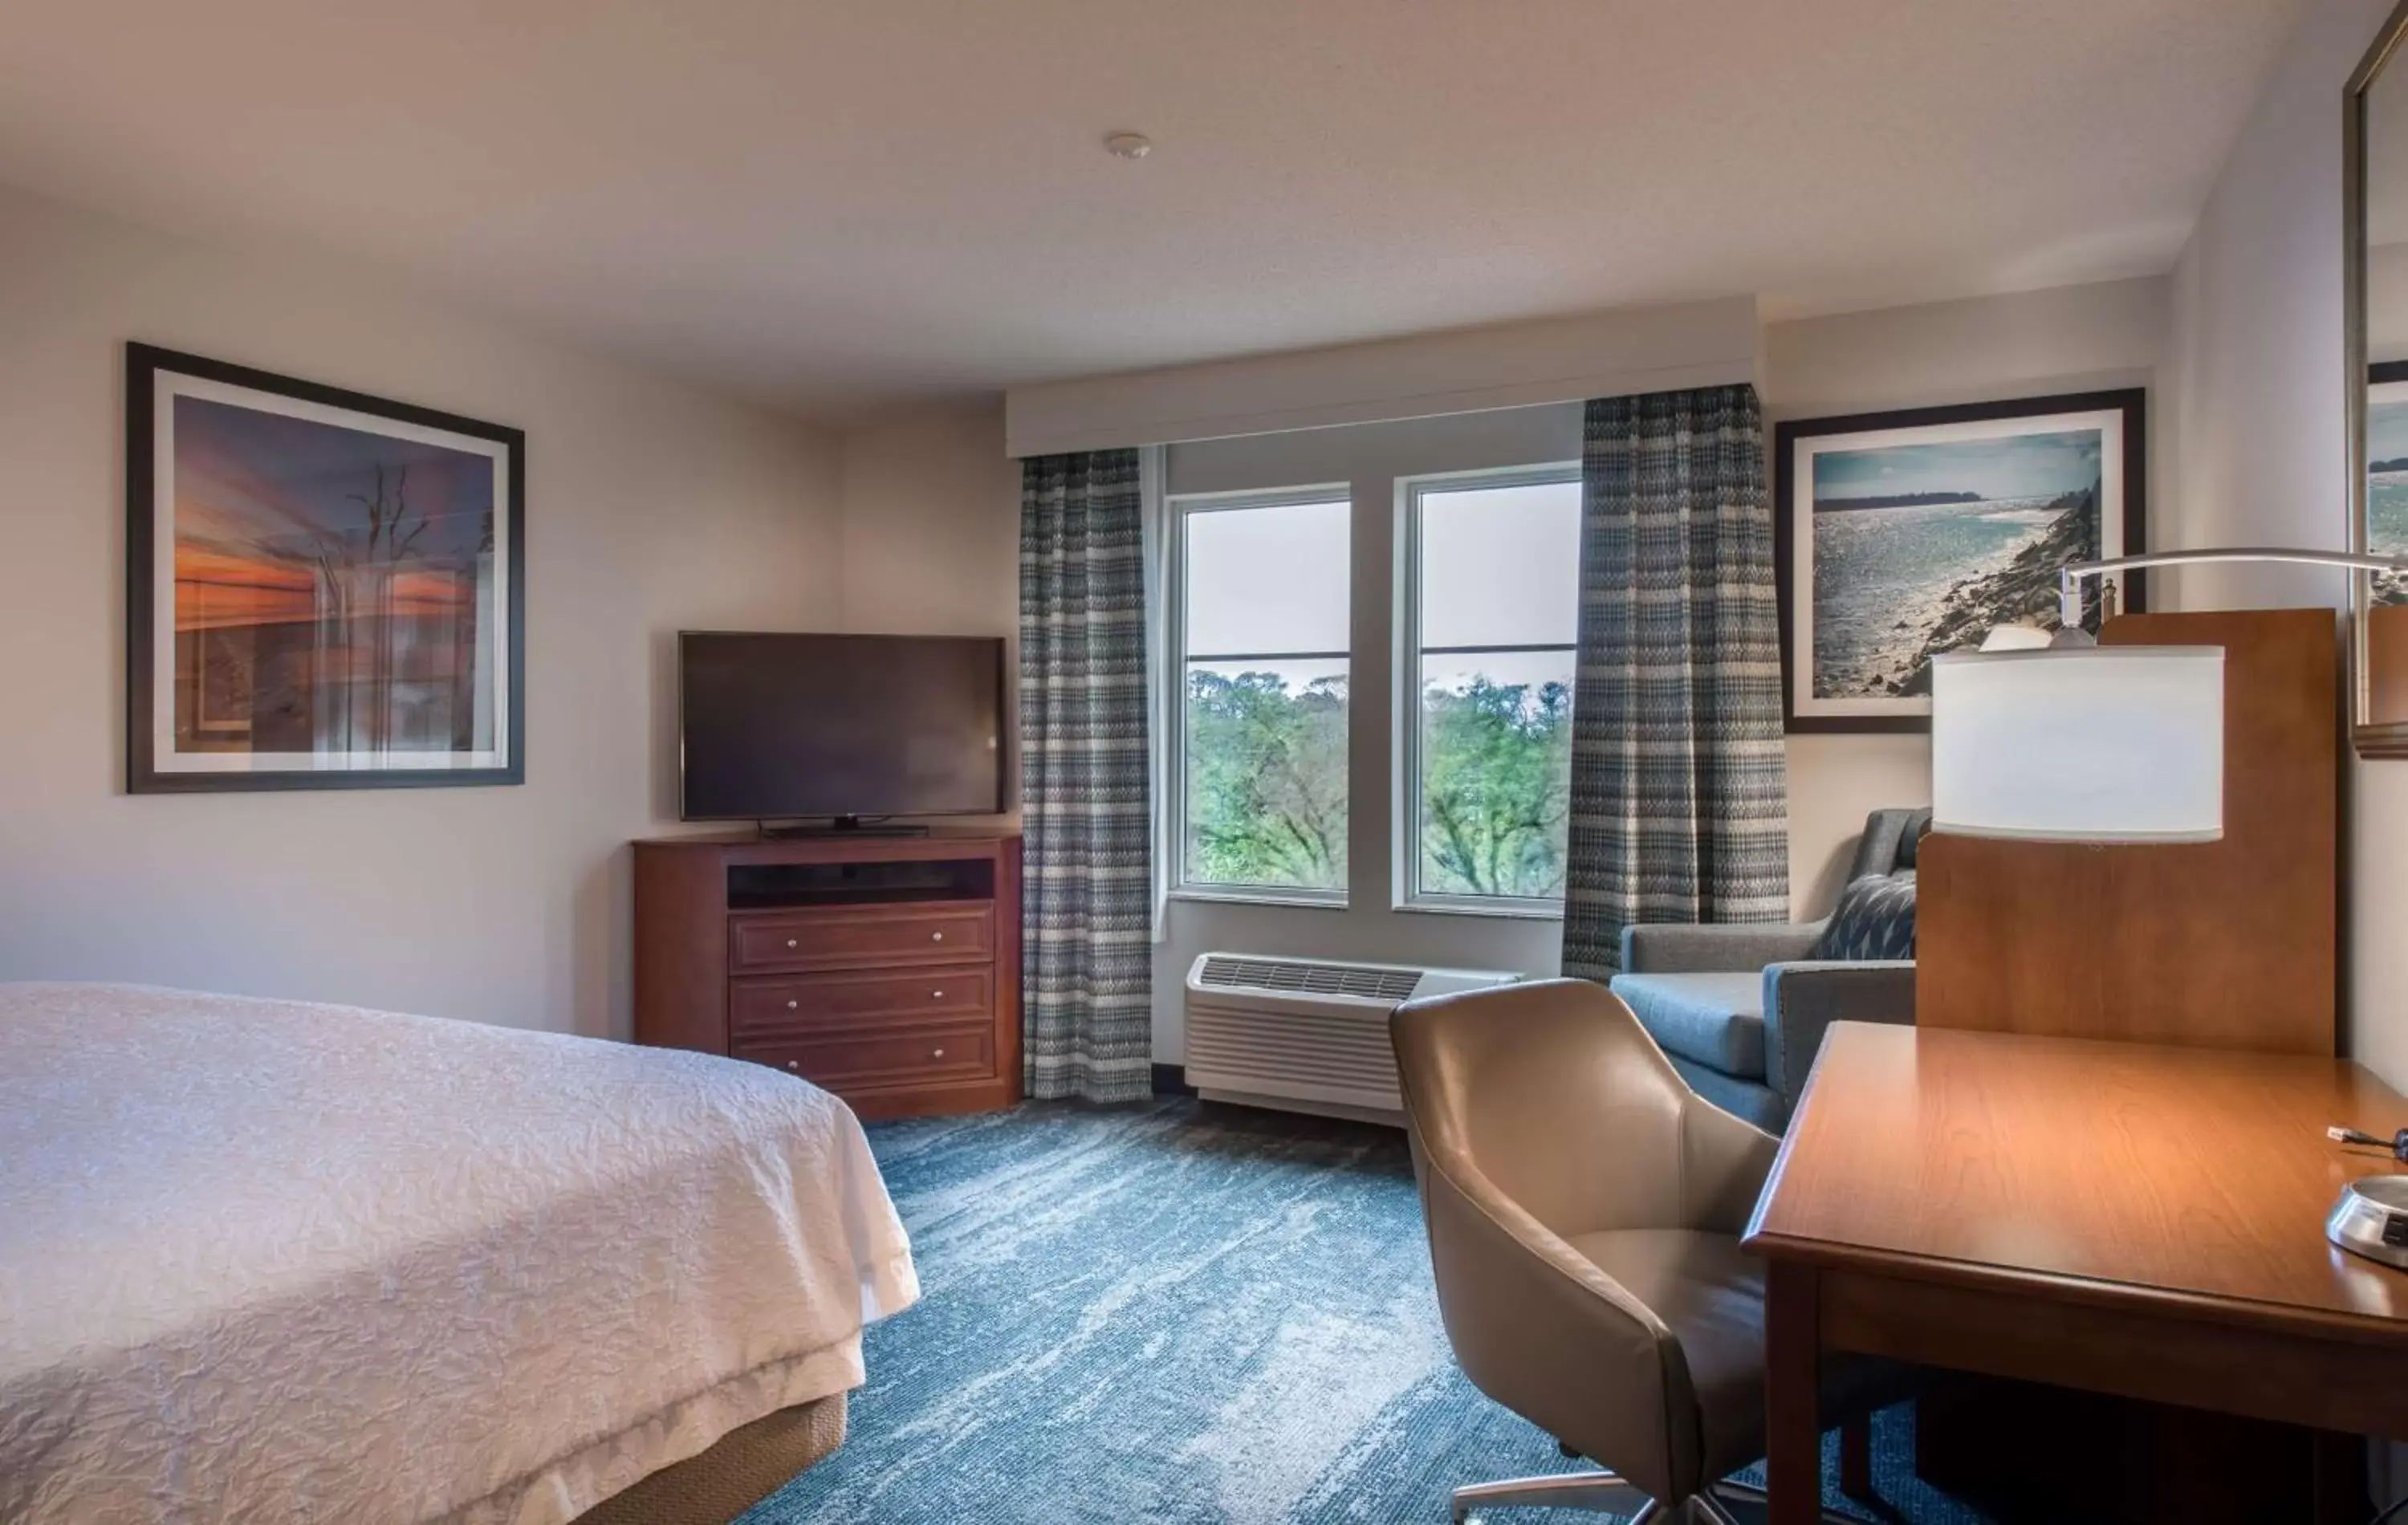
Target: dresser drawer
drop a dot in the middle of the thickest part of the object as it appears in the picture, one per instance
(761, 1007)
(860, 937)
(871, 1056)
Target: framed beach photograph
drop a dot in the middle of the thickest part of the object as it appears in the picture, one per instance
(2387, 476)
(1899, 536)
(323, 589)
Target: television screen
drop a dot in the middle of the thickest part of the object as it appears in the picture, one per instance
(781, 727)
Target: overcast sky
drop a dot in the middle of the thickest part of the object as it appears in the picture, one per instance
(1500, 568)
(2019, 466)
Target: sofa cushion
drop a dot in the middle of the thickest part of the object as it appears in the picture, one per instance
(1714, 1019)
(1875, 919)
(1751, 1101)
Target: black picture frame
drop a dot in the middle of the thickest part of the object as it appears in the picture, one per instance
(144, 365)
(2131, 404)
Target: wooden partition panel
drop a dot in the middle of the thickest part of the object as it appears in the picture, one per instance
(2225, 944)
(2387, 665)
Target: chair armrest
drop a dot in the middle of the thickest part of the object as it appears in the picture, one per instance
(1802, 998)
(1676, 948)
(1724, 1163)
(1543, 1330)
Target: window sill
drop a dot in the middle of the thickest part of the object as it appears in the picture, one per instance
(1298, 899)
(1498, 911)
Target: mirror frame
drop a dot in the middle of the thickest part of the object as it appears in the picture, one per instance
(2389, 739)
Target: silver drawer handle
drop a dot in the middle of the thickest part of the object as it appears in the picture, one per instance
(936, 937)
(938, 1054)
(936, 994)
(790, 942)
(793, 1064)
(793, 1006)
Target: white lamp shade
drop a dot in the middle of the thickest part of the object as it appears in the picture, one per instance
(2110, 743)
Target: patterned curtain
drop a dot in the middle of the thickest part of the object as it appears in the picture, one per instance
(1087, 960)
(1680, 789)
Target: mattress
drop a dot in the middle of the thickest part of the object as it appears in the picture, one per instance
(269, 1260)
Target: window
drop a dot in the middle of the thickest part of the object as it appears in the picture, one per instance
(1493, 587)
(1262, 639)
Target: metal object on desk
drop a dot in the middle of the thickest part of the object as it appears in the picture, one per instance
(2371, 1219)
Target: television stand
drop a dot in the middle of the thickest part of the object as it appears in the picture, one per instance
(884, 969)
(840, 826)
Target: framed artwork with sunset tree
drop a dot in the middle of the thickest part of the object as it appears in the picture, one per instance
(323, 589)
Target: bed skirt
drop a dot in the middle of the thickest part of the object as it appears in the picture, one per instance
(746, 1466)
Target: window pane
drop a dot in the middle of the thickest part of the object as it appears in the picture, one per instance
(1268, 579)
(1496, 765)
(1266, 774)
(1500, 566)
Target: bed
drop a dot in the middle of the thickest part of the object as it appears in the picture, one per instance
(272, 1260)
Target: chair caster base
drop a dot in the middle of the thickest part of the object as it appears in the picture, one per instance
(1603, 1493)
(1598, 1493)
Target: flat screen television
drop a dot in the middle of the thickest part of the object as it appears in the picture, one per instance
(799, 726)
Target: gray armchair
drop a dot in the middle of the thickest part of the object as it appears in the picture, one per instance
(1739, 1010)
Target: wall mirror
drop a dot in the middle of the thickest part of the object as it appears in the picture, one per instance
(2376, 200)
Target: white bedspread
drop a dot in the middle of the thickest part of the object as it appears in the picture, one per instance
(273, 1261)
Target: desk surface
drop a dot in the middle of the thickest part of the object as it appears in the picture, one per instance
(2100, 1172)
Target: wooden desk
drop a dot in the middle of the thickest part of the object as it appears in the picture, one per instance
(2130, 1220)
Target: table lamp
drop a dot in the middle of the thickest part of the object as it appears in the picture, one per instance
(2095, 744)
(2055, 737)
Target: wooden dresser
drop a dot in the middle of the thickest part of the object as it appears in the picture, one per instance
(884, 969)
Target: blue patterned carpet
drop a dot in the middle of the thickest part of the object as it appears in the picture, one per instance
(1179, 1313)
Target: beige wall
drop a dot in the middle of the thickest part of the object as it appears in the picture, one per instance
(2069, 339)
(931, 535)
(930, 539)
(1432, 375)
(2256, 370)
(649, 507)
(931, 510)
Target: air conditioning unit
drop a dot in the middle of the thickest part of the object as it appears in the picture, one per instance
(1306, 1034)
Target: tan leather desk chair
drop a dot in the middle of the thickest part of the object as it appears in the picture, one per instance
(1585, 1208)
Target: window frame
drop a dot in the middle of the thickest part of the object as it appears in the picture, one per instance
(1405, 848)
(1178, 508)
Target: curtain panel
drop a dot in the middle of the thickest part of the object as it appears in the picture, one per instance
(1680, 786)
(1087, 962)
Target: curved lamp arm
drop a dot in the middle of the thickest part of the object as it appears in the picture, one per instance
(2069, 581)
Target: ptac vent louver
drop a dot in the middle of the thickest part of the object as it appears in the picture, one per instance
(1306, 1034)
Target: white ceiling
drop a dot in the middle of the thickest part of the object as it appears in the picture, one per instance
(843, 206)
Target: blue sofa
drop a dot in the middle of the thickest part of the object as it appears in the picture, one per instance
(1739, 1010)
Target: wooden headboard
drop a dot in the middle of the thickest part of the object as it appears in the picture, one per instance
(2225, 944)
